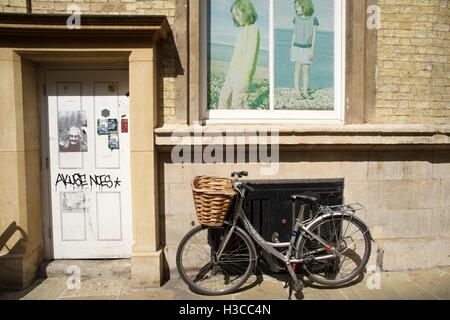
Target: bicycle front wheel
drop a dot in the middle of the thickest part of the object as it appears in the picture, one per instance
(351, 239)
(204, 271)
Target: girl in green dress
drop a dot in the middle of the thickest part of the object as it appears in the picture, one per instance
(234, 93)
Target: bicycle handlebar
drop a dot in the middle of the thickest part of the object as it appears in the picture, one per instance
(239, 174)
(248, 187)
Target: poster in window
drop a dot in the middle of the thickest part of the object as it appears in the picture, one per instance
(238, 54)
(304, 54)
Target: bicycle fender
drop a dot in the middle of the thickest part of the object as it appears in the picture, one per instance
(338, 214)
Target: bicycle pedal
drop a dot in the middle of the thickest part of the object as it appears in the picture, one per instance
(308, 259)
(297, 286)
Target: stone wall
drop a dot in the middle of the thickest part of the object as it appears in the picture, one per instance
(413, 84)
(169, 54)
(412, 51)
(18, 6)
(21, 221)
(405, 194)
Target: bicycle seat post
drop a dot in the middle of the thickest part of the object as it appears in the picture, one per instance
(293, 213)
(301, 212)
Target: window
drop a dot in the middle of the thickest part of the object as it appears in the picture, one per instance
(273, 60)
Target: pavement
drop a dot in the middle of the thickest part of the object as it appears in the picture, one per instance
(431, 284)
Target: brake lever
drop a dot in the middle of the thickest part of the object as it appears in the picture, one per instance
(248, 187)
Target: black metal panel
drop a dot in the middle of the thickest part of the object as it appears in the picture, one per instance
(269, 208)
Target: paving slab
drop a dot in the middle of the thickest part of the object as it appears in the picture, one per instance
(363, 293)
(432, 283)
(90, 298)
(147, 295)
(41, 289)
(362, 290)
(111, 286)
(187, 295)
(406, 289)
(314, 296)
(261, 290)
(360, 293)
(88, 268)
(182, 292)
(419, 284)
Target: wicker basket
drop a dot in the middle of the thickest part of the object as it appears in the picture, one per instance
(212, 199)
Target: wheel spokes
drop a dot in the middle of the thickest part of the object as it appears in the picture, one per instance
(216, 273)
(349, 255)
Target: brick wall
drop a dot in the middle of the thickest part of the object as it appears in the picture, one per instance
(144, 7)
(13, 6)
(413, 68)
(158, 7)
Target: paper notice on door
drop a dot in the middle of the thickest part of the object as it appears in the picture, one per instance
(74, 202)
(124, 125)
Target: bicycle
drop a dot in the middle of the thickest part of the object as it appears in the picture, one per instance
(219, 260)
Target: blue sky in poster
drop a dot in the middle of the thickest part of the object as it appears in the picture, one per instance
(223, 34)
(223, 30)
(324, 11)
(322, 69)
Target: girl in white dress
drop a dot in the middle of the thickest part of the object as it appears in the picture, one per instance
(303, 43)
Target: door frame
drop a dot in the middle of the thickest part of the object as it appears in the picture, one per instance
(46, 184)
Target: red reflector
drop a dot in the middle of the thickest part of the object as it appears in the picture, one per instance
(294, 266)
(328, 248)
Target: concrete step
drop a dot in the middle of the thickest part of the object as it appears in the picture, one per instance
(88, 268)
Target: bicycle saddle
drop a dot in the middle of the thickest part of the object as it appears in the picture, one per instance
(306, 198)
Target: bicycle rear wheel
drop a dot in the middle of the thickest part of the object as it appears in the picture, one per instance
(205, 273)
(350, 237)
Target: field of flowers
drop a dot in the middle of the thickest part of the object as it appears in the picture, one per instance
(258, 91)
(320, 99)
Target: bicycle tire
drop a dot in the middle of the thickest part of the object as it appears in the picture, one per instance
(357, 271)
(195, 286)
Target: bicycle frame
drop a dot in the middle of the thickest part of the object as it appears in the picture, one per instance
(231, 248)
(298, 232)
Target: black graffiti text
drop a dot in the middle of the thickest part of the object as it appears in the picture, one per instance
(104, 180)
(74, 180)
(81, 180)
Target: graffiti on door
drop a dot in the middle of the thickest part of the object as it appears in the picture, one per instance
(79, 180)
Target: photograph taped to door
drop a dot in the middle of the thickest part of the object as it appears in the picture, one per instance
(72, 131)
(102, 127)
(113, 141)
(124, 125)
(74, 202)
(112, 126)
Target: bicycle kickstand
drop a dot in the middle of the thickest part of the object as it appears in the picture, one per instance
(294, 283)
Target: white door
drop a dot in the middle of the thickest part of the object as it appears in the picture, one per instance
(88, 113)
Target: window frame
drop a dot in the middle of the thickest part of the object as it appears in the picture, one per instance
(336, 116)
